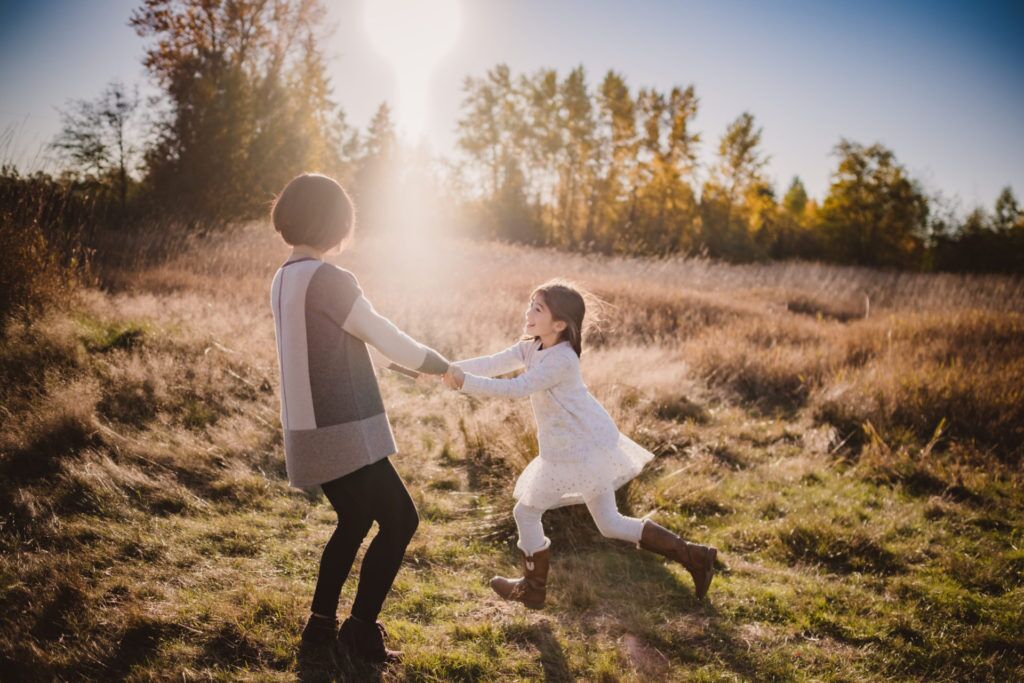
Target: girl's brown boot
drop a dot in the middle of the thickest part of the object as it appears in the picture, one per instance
(699, 560)
(532, 588)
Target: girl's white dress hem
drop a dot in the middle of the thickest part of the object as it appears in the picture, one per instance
(582, 452)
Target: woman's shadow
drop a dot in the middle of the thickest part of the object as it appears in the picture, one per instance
(325, 662)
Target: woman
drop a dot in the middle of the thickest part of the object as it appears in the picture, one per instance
(336, 431)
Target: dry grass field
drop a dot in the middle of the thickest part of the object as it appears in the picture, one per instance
(851, 440)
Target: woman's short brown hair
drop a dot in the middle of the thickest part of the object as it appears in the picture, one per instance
(314, 210)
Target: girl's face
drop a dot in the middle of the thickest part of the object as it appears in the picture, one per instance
(539, 322)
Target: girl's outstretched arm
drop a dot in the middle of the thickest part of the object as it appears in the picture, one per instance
(496, 364)
(552, 371)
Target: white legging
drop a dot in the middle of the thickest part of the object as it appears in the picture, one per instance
(610, 522)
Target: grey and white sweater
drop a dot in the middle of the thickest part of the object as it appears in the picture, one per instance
(331, 409)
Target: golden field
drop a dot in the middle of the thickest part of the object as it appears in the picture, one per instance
(850, 439)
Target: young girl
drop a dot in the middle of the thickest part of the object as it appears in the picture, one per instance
(583, 456)
(336, 431)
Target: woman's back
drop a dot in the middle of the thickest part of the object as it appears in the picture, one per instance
(331, 409)
(327, 377)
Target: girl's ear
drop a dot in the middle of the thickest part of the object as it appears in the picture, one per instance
(560, 326)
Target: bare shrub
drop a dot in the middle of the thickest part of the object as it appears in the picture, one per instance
(42, 256)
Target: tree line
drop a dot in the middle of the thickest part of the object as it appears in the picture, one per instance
(544, 158)
(615, 170)
(245, 104)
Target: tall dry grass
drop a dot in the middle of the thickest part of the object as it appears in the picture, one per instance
(846, 465)
(845, 345)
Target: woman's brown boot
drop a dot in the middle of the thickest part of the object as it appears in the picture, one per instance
(532, 588)
(365, 640)
(699, 560)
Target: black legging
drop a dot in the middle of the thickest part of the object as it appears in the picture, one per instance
(372, 493)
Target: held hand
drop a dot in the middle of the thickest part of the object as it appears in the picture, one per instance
(454, 377)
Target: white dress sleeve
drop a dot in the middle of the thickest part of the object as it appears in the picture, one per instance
(548, 373)
(496, 364)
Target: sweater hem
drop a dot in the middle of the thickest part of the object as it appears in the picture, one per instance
(315, 456)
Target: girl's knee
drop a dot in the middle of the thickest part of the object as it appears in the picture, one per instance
(525, 513)
(606, 529)
(518, 510)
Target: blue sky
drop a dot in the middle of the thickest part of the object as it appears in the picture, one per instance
(940, 83)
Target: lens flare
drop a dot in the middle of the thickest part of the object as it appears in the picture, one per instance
(413, 36)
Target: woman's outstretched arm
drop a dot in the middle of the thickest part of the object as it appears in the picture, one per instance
(364, 322)
(335, 292)
(382, 361)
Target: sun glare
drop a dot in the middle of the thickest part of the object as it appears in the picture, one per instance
(413, 35)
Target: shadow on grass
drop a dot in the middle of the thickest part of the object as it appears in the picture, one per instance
(552, 657)
(646, 597)
(138, 645)
(326, 663)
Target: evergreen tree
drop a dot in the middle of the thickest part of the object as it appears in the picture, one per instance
(377, 175)
(1008, 214)
(795, 200)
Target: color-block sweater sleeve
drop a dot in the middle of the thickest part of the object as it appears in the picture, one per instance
(381, 361)
(495, 364)
(351, 311)
(374, 329)
(554, 369)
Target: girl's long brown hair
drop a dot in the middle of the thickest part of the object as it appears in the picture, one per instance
(568, 303)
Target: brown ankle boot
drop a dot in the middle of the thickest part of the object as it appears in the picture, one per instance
(532, 588)
(365, 640)
(699, 560)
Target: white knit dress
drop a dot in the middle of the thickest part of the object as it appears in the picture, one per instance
(582, 452)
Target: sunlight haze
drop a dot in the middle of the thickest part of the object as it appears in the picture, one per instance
(412, 36)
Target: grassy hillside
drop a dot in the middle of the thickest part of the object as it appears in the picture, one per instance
(851, 441)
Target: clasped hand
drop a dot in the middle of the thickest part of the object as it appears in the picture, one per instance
(453, 379)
